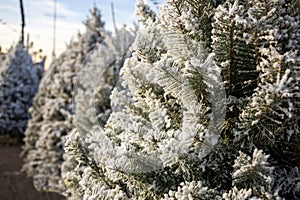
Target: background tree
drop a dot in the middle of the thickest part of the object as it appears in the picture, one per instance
(92, 99)
(19, 83)
(53, 109)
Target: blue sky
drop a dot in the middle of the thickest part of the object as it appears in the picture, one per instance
(71, 13)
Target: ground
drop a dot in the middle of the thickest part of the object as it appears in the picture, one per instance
(14, 184)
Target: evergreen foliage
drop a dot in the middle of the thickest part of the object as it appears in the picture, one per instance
(98, 77)
(161, 122)
(52, 113)
(19, 83)
(253, 175)
(235, 58)
(95, 84)
(289, 31)
(167, 136)
(53, 109)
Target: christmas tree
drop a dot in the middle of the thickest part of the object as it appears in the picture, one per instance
(208, 107)
(92, 103)
(19, 83)
(53, 110)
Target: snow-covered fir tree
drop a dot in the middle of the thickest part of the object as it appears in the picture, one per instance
(151, 133)
(92, 103)
(98, 77)
(53, 109)
(19, 83)
(168, 136)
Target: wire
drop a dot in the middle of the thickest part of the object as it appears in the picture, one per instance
(54, 29)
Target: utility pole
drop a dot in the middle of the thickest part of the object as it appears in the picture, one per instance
(54, 16)
(23, 21)
(54, 29)
(113, 16)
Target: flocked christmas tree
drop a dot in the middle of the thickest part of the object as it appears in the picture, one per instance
(53, 110)
(168, 136)
(97, 79)
(19, 83)
(157, 124)
(95, 83)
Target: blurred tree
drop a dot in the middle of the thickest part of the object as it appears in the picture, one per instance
(67, 99)
(18, 85)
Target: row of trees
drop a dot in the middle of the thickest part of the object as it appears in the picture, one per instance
(205, 104)
(74, 92)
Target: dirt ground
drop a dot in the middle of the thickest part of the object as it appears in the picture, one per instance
(15, 185)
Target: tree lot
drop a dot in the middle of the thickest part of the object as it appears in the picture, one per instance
(207, 107)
